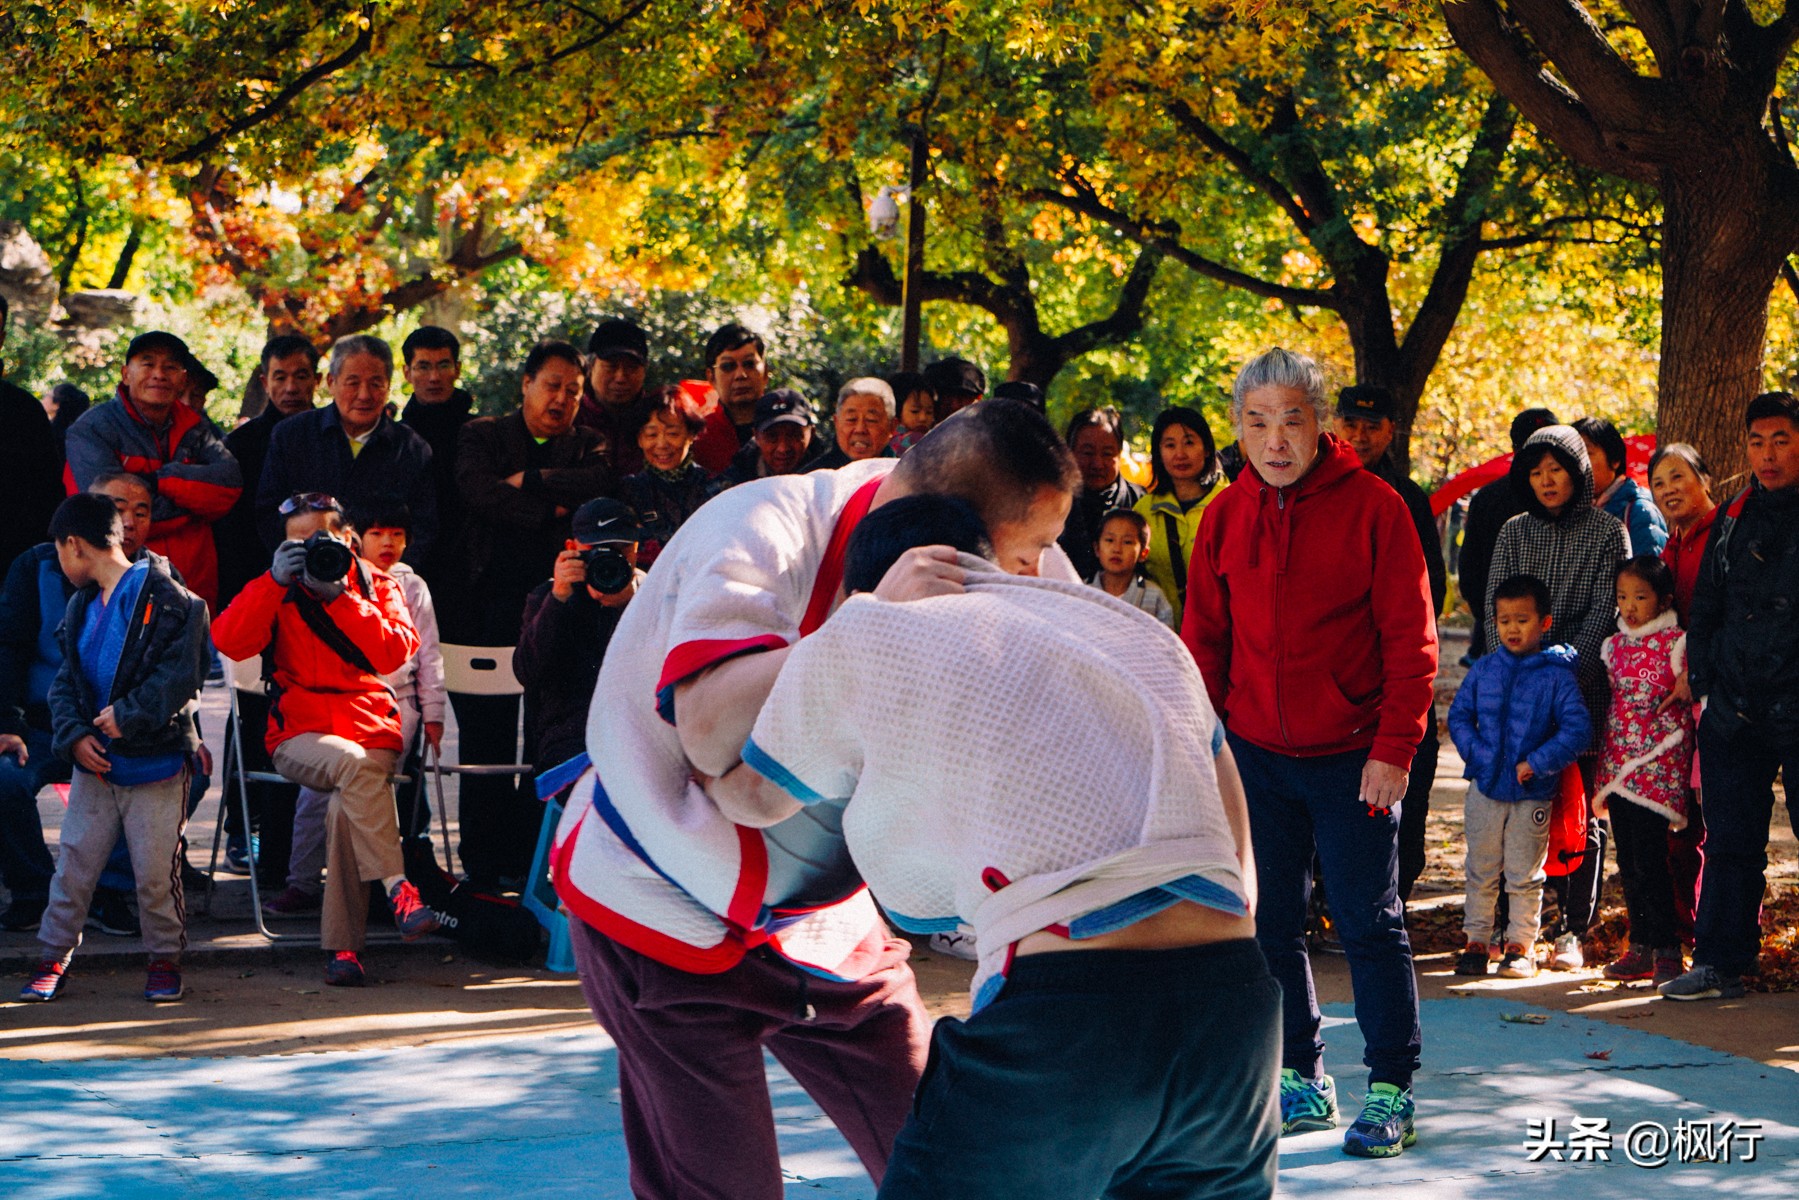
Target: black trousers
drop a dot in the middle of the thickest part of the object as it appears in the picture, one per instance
(1414, 810)
(1738, 773)
(1123, 1074)
(1642, 840)
(499, 814)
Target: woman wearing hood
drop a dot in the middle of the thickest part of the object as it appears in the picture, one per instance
(1575, 548)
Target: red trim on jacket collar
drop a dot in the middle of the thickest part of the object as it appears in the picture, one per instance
(181, 418)
(830, 571)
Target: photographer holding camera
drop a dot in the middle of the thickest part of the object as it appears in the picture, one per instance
(328, 627)
(567, 625)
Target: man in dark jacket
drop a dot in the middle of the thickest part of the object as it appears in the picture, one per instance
(520, 477)
(1743, 656)
(1097, 438)
(567, 626)
(1365, 416)
(783, 442)
(289, 375)
(618, 355)
(1488, 512)
(1308, 613)
(351, 450)
(431, 358)
(30, 463)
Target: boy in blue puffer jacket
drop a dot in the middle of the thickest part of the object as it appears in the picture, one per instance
(1519, 722)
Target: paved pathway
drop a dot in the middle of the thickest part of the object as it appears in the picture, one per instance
(539, 1117)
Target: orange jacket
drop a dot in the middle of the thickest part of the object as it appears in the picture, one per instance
(315, 689)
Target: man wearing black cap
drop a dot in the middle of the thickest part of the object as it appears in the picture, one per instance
(618, 356)
(567, 627)
(1365, 420)
(782, 443)
(1488, 511)
(147, 430)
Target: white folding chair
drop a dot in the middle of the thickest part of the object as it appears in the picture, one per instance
(246, 676)
(474, 671)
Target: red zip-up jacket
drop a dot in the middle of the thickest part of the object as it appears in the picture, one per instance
(1309, 613)
(316, 690)
(196, 479)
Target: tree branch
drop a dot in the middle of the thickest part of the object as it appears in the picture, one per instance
(1126, 318)
(286, 96)
(1464, 214)
(1244, 164)
(1656, 24)
(1485, 36)
(1566, 34)
(1791, 276)
(1167, 240)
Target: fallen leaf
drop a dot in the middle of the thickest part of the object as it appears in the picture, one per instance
(1601, 1055)
(1525, 1018)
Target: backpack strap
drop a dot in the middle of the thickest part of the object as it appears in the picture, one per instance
(1177, 561)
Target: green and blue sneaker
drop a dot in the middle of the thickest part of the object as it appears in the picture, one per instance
(1385, 1126)
(1307, 1105)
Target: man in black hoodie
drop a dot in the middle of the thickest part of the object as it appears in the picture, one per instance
(1743, 656)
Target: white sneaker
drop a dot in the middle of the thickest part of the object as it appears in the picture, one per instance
(959, 944)
(1566, 956)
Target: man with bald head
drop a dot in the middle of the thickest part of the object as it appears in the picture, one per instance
(700, 941)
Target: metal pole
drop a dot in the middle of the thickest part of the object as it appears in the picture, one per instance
(911, 300)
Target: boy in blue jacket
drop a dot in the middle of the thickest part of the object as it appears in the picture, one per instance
(1519, 722)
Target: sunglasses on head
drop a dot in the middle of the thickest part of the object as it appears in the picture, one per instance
(310, 502)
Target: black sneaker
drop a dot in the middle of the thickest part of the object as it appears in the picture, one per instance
(23, 915)
(110, 914)
(1476, 960)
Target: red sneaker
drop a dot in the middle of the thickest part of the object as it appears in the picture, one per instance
(411, 917)
(344, 970)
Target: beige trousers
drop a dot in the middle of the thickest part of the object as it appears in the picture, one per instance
(362, 831)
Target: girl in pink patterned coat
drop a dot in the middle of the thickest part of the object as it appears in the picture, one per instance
(1646, 763)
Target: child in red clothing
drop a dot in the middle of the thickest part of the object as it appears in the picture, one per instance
(1647, 762)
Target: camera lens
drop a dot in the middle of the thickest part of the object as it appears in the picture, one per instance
(608, 571)
(327, 559)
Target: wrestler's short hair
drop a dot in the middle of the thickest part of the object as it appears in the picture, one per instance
(997, 455)
(905, 524)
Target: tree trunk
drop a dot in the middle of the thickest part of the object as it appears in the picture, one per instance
(1724, 232)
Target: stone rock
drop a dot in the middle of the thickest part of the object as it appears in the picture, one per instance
(27, 279)
(101, 308)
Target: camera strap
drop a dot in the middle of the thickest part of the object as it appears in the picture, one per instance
(320, 622)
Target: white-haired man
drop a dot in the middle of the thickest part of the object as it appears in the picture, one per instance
(1309, 614)
(863, 422)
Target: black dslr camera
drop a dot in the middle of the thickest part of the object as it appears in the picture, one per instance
(608, 571)
(327, 559)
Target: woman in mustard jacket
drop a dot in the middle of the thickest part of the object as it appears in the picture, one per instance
(1184, 476)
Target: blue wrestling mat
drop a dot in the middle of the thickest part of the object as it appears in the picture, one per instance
(539, 1117)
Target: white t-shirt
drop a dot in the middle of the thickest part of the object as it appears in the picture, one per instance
(1031, 754)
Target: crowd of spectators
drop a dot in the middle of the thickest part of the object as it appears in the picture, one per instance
(1301, 564)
